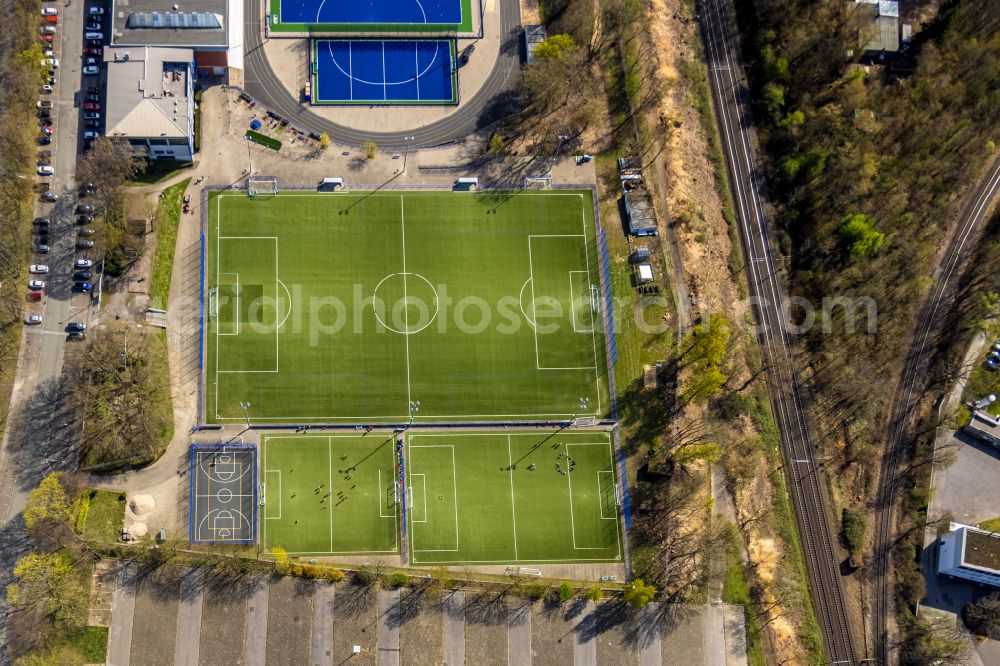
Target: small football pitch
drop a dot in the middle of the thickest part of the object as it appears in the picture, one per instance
(493, 498)
(329, 495)
(386, 306)
(471, 497)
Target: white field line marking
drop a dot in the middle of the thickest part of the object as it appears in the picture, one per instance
(266, 503)
(593, 333)
(329, 471)
(600, 493)
(277, 343)
(572, 305)
(513, 503)
(569, 479)
(236, 308)
(406, 303)
(538, 365)
(423, 482)
(454, 482)
(381, 514)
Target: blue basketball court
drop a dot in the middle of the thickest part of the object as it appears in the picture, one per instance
(384, 72)
(370, 12)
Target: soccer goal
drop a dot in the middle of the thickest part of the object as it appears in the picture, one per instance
(537, 182)
(257, 185)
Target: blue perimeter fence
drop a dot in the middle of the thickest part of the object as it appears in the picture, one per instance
(609, 305)
(196, 447)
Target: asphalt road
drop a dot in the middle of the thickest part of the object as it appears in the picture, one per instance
(495, 100)
(39, 435)
(907, 400)
(806, 486)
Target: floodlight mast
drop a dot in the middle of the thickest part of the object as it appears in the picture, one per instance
(414, 408)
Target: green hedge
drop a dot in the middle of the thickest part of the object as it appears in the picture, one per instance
(257, 137)
(853, 529)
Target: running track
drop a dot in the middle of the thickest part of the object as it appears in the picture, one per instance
(261, 83)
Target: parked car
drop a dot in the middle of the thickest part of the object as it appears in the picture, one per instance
(44, 104)
(94, 26)
(38, 269)
(83, 263)
(52, 20)
(84, 208)
(49, 197)
(84, 219)
(95, 51)
(96, 11)
(86, 189)
(91, 134)
(47, 30)
(43, 139)
(89, 60)
(92, 115)
(991, 364)
(92, 123)
(34, 295)
(46, 38)
(46, 130)
(42, 222)
(91, 70)
(76, 335)
(50, 11)
(87, 231)
(51, 63)
(45, 170)
(33, 320)
(36, 284)
(46, 89)
(40, 248)
(82, 275)
(91, 106)
(82, 287)
(93, 97)
(94, 36)
(76, 326)
(84, 243)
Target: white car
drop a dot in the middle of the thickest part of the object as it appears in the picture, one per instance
(83, 263)
(36, 284)
(45, 170)
(33, 319)
(49, 11)
(96, 11)
(99, 36)
(91, 134)
(38, 269)
(51, 63)
(46, 88)
(90, 70)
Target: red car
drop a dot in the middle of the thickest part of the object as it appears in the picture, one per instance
(34, 295)
(91, 106)
(46, 38)
(92, 51)
(51, 20)
(47, 130)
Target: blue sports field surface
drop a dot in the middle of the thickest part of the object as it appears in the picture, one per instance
(383, 72)
(371, 11)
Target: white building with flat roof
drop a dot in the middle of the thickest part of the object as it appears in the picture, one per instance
(150, 100)
(970, 553)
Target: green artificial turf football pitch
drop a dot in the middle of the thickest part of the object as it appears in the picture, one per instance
(494, 498)
(361, 308)
(330, 494)
(472, 498)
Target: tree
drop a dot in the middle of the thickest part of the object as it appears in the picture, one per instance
(280, 558)
(47, 503)
(371, 149)
(47, 583)
(859, 236)
(555, 47)
(109, 164)
(853, 529)
(496, 145)
(932, 642)
(124, 397)
(595, 593)
(566, 591)
(983, 616)
(324, 141)
(637, 593)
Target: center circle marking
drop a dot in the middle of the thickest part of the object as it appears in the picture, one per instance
(430, 320)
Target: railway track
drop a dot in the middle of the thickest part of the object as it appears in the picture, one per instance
(805, 478)
(907, 399)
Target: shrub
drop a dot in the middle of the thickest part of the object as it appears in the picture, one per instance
(637, 594)
(566, 591)
(852, 529)
(595, 593)
(537, 590)
(334, 575)
(398, 579)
